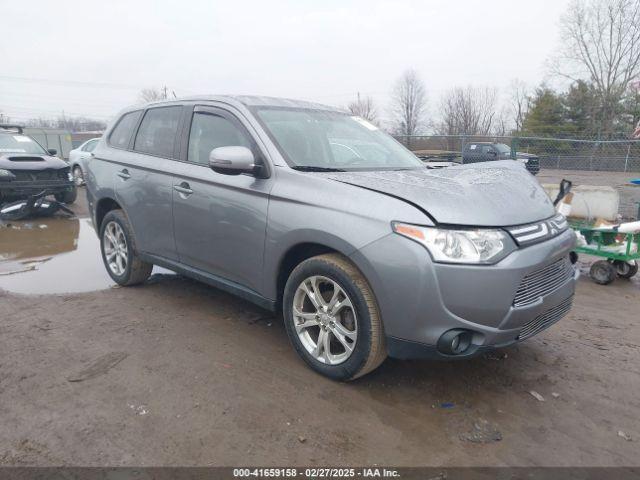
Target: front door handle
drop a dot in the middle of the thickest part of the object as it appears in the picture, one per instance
(124, 174)
(184, 189)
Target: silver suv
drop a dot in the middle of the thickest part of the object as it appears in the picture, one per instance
(302, 207)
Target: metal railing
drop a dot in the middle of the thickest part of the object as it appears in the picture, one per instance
(554, 153)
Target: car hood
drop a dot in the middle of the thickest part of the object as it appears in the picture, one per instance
(25, 161)
(496, 194)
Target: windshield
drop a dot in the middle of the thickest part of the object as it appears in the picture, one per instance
(312, 139)
(502, 148)
(15, 143)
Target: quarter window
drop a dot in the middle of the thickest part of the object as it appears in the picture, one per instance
(209, 131)
(121, 134)
(157, 132)
(90, 146)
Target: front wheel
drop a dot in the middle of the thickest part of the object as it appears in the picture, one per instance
(332, 318)
(602, 272)
(78, 176)
(119, 253)
(67, 197)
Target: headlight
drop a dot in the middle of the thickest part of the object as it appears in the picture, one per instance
(6, 175)
(480, 246)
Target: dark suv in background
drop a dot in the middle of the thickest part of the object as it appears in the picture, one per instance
(490, 151)
(27, 168)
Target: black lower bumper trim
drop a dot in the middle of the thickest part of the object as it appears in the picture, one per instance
(409, 350)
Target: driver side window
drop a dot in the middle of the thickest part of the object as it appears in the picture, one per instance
(209, 131)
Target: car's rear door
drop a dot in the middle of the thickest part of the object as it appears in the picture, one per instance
(145, 184)
(219, 220)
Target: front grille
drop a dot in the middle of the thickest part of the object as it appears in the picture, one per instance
(543, 281)
(545, 320)
(38, 175)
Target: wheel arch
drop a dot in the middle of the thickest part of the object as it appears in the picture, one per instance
(104, 206)
(293, 257)
(318, 243)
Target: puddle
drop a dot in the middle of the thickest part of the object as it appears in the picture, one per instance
(54, 255)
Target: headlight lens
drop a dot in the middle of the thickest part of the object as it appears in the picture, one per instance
(6, 175)
(481, 246)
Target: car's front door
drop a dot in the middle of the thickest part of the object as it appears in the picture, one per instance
(220, 220)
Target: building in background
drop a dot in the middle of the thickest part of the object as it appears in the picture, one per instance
(52, 138)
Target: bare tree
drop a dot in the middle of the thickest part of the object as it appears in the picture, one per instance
(63, 122)
(468, 111)
(409, 104)
(520, 103)
(502, 125)
(601, 41)
(364, 107)
(155, 94)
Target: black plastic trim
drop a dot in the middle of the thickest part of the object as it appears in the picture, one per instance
(213, 280)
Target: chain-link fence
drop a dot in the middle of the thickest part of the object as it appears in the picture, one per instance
(554, 153)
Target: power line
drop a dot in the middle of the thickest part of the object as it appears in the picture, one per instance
(52, 81)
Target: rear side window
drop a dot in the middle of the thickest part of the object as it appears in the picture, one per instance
(157, 132)
(121, 134)
(209, 131)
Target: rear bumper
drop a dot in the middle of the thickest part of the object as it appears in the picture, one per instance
(421, 300)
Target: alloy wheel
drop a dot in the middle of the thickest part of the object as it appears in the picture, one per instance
(115, 248)
(325, 320)
(78, 177)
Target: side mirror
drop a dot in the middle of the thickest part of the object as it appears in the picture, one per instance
(232, 160)
(52, 151)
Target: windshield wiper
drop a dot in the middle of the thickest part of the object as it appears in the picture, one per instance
(312, 168)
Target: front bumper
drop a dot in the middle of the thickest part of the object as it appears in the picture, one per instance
(23, 189)
(421, 300)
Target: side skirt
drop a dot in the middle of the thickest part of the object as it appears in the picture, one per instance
(213, 280)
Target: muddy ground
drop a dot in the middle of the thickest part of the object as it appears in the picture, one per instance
(177, 373)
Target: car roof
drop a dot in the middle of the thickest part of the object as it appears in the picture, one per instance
(247, 101)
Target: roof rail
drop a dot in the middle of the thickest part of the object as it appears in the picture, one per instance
(19, 128)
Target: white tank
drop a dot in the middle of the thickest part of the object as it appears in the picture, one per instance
(590, 201)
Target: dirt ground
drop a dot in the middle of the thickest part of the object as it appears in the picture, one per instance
(177, 373)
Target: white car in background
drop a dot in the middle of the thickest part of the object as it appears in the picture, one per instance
(78, 157)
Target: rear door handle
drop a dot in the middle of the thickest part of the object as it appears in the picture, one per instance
(184, 189)
(124, 174)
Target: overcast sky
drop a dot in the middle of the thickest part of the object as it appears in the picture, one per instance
(92, 57)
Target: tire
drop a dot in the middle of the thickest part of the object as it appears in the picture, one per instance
(78, 176)
(602, 272)
(626, 269)
(135, 271)
(67, 197)
(357, 315)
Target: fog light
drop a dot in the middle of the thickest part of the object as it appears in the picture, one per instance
(455, 342)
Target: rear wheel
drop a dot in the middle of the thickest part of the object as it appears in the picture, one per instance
(332, 318)
(626, 269)
(119, 253)
(602, 272)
